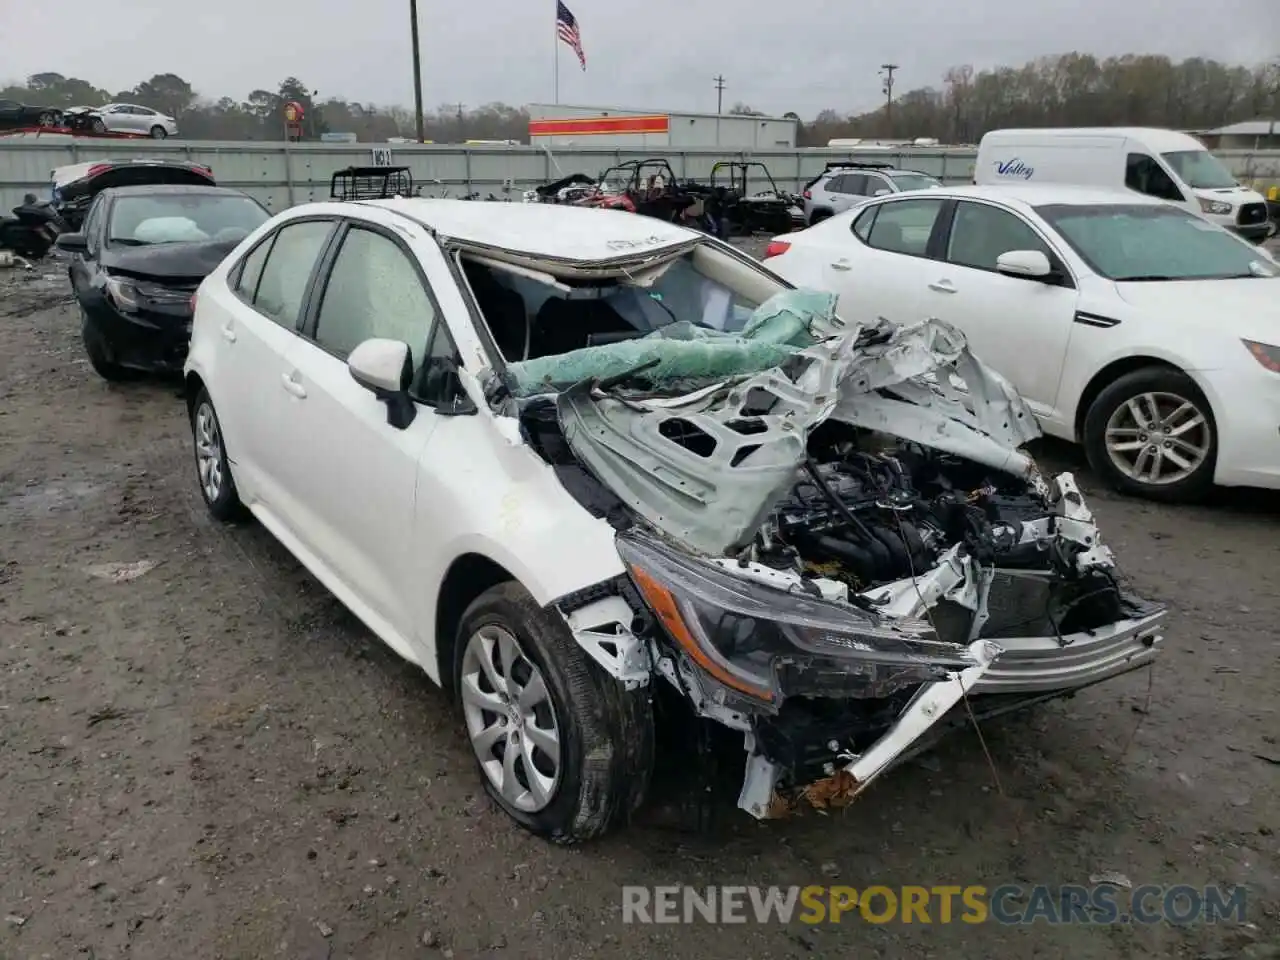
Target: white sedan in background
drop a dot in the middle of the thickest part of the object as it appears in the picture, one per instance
(133, 118)
(1139, 330)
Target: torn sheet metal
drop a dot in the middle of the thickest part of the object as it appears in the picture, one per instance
(603, 629)
(708, 471)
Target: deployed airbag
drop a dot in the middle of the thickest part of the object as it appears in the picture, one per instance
(783, 325)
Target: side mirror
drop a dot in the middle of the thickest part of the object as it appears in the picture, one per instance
(385, 367)
(72, 242)
(1028, 264)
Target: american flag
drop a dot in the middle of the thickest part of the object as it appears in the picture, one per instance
(567, 27)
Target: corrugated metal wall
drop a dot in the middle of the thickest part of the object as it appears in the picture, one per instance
(281, 176)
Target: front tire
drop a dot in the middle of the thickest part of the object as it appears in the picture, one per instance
(95, 347)
(213, 473)
(98, 125)
(562, 747)
(1152, 433)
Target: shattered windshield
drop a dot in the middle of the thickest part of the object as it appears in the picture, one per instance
(183, 218)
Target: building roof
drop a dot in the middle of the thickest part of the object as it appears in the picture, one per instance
(1247, 128)
(534, 108)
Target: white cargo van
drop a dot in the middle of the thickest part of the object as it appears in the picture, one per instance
(1162, 163)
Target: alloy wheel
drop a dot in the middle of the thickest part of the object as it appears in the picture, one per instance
(209, 458)
(511, 719)
(1158, 438)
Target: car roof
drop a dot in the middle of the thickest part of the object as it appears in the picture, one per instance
(540, 229)
(1040, 194)
(152, 189)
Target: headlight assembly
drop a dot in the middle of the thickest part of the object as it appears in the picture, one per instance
(767, 644)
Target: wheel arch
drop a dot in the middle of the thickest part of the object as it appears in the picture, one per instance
(468, 576)
(1112, 372)
(192, 384)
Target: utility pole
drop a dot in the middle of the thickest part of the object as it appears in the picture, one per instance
(719, 93)
(417, 69)
(461, 138)
(888, 69)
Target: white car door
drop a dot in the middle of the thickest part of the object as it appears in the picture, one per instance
(1020, 326)
(877, 263)
(352, 482)
(256, 332)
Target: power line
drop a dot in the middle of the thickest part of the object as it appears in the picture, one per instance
(888, 69)
(719, 93)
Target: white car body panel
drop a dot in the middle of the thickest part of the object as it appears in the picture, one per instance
(1027, 330)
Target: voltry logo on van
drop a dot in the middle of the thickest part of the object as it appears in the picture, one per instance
(1014, 168)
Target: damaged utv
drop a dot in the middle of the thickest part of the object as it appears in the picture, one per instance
(642, 464)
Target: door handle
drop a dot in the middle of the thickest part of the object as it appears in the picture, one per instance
(292, 385)
(841, 264)
(943, 286)
(229, 333)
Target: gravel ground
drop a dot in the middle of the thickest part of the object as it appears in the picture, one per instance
(213, 759)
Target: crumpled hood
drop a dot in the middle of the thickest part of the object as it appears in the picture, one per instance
(707, 468)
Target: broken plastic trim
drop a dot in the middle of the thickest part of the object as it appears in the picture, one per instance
(929, 705)
(750, 637)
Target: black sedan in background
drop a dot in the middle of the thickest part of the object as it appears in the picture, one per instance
(16, 116)
(137, 263)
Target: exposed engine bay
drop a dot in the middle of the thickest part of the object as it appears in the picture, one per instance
(865, 519)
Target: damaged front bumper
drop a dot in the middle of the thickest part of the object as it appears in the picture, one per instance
(830, 693)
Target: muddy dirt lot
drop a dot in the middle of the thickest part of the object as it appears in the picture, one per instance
(213, 759)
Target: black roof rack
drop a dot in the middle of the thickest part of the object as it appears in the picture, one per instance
(857, 165)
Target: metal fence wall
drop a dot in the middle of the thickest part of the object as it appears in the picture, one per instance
(281, 176)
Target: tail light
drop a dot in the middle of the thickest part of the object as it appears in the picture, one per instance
(775, 248)
(808, 194)
(98, 168)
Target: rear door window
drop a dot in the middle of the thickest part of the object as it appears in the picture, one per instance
(289, 265)
(904, 226)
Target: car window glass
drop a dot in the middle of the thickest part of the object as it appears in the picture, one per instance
(874, 183)
(373, 291)
(1144, 174)
(288, 269)
(905, 226)
(980, 233)
(431, 385)
(93, 218)
(251, 270)
(862, 225)
(833, 184)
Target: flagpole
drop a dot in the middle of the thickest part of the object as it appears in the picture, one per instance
(556, 69)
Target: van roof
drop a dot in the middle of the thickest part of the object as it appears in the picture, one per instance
(1039, 194)
(1157, 139)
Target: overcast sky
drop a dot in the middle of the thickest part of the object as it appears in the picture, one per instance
(652, 54)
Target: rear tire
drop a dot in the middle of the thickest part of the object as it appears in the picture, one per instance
(524, 684)
(213, 472)
(1152, 433)
(158, 132)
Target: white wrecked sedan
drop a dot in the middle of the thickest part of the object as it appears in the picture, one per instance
(570, 460)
